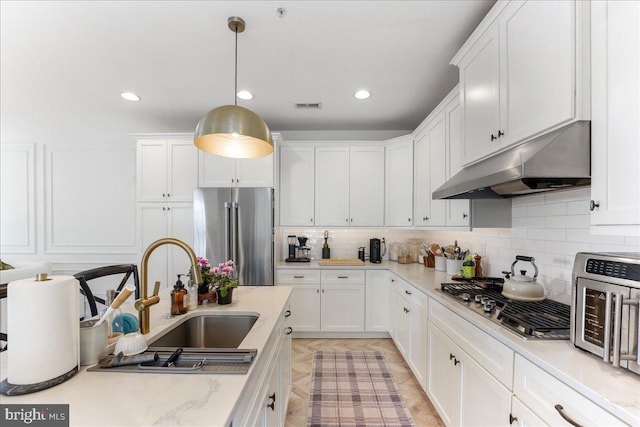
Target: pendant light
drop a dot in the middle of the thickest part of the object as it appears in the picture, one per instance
(231, 130)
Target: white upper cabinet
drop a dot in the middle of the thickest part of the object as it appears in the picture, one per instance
(332, 186)
(480, 86)
(399, 182)
(366, 186)
(167, 170)
(457, 210)
(436, 132)
(219, 171)
(296, 185)
(615, 126)
(521, 74)
(438, 156)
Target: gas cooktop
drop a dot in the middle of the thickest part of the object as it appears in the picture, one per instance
(545, 319)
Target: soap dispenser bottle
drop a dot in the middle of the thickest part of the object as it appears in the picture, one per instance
(178, 298)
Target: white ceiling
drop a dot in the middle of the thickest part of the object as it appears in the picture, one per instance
(64, 64)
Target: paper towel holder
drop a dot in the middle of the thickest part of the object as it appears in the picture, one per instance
(9, 389)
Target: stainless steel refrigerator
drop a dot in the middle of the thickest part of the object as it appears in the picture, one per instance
(237, 224)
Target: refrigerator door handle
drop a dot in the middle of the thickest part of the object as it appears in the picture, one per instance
(227, 231)
(234, 232)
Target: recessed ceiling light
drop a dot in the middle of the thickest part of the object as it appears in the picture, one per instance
(130, 96)
(362, 94)
(245, 94)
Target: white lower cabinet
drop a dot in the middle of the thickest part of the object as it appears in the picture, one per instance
(409, 330)
(377, 295)
(266, 404)
(522, 416)
(463, 392)
(327, 300)
(552, 401)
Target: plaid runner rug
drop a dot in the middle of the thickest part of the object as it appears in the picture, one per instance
(354, 388)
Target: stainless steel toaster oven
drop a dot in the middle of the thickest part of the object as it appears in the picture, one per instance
(604, 307)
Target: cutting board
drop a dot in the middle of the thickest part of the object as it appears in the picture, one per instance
(341, 261)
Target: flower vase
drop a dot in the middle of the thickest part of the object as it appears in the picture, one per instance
(226, 299)
(205, 295)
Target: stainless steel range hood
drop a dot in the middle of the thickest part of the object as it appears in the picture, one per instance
(556, 160)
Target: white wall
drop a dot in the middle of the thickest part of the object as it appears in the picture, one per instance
(552, 228)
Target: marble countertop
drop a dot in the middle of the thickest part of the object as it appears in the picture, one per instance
(124, 399)
(616, 390)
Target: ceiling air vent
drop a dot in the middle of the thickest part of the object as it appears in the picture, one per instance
(309, 106)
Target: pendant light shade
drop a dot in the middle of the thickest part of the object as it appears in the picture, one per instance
(233, 131)
(230, 130)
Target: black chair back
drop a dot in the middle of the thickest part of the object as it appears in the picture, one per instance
(84, 277)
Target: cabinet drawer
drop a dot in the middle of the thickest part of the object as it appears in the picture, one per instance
(410, 293)
(542, 392)
(298, 276)
(352, 277)
(491, 354)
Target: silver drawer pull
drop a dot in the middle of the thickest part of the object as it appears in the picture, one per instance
(565, 417)
(298, 277)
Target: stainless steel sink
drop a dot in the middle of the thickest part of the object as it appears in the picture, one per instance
(206, 331)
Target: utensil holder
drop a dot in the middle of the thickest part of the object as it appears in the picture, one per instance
(454, 266)
(440, 263)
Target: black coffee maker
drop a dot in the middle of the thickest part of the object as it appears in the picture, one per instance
(375, 250)
(298, 253)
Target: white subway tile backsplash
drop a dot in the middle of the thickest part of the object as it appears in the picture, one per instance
(547, 234)
(549, 209)
(550, 227)
(528, 222)
(567, 221)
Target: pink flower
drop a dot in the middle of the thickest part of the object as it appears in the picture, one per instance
(229, 263)
(227, 270)
(215, 270)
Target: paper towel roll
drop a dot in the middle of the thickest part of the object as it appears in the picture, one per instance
(43, 329)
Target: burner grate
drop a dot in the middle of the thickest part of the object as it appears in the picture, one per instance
(539, 315)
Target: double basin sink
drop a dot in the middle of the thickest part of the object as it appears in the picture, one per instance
(208, 344)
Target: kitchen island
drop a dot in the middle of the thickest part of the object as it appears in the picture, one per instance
(137, 399)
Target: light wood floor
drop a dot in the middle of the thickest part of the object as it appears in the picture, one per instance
(414, 397)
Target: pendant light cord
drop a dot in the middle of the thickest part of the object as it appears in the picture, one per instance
(235, 88)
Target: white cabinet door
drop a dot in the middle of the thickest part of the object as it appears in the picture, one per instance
(366, 186)
(182, 170)
(157, 221)
(444, 377)
(342, 308)
(437, 167)
(615, 125)
(180, 226)
(421, 183)
(296, 186)
(305, 308)
(522, 416)
(401, 323)
(285, 365)
(480, 86)
(399, 183)
(484, 401)
(152, 170)
(216, 171)
(538, 68)
(272, 399)
(418, 343)
(167, 170)
(457, 210)
(332, 186)
(255, 172)
(153, 225)
(377, 296)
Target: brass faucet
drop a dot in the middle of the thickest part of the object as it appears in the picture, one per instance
(143, 304)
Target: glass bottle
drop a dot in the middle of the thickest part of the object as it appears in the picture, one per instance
(177, 298)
